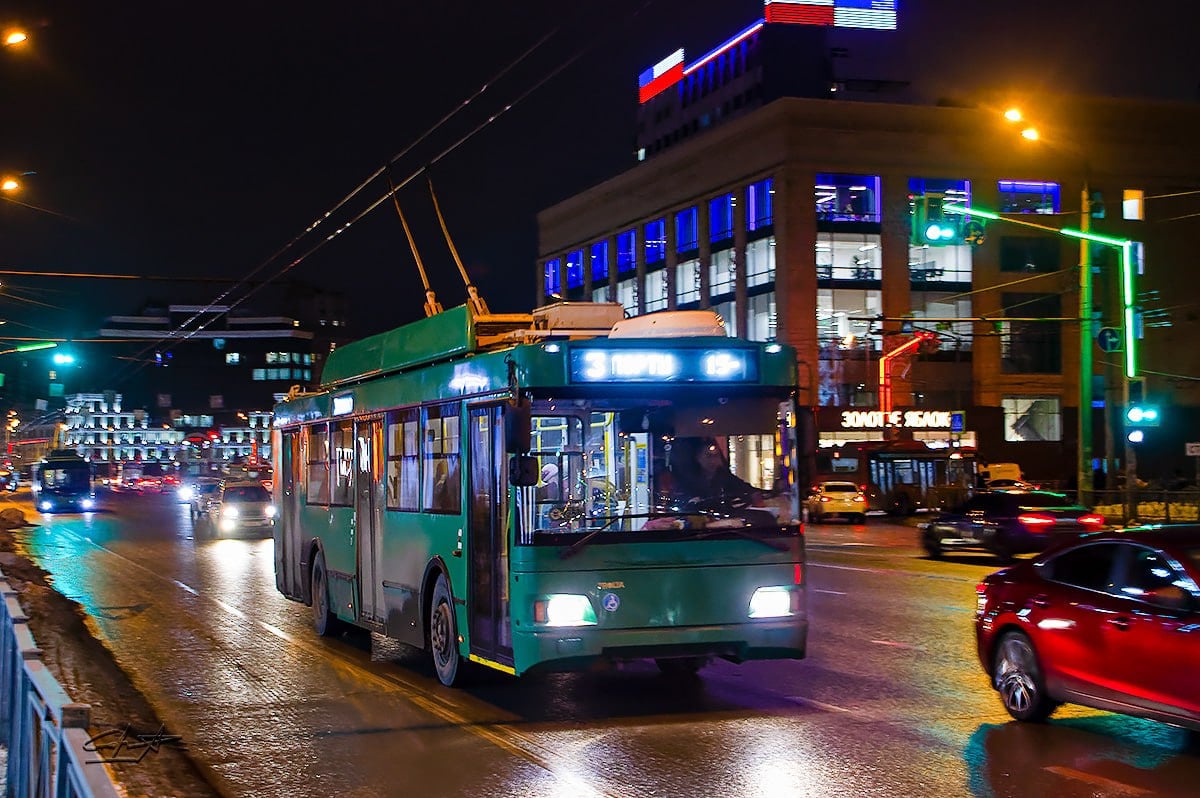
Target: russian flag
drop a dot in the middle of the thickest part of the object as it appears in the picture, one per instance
(661, 76)
(799, 12)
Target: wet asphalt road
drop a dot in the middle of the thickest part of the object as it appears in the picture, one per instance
(890, 702)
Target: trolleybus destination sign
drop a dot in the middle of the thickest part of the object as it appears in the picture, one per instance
(912, 419)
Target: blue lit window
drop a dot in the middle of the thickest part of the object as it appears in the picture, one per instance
(720, 218)
(656, 241)
(686, 235)
(575, 269)
(600, 262)
(552, 279)
(627, 251)
(1028, 196)
(847, 198)
(760, 201)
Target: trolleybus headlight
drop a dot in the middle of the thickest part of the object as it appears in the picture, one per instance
(564, 609)
(87, 504)
(47, 505)
(774, 602)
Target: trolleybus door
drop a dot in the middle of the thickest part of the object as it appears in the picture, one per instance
(287, 523)
(487, 545)
(368, 507)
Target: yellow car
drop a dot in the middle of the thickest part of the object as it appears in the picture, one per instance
(844, 499)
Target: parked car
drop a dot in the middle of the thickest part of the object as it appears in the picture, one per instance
(240, 507)
(1109, 620)
(833, 498)
(1007, 523)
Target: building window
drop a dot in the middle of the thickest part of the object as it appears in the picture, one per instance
(627, 251)
(950, 264)
(552, 280)
(686, 230)
(601, 294)
(847, 198)
(403, 461)
(687, 282)
(575, 269)
(1030, 254)
(720, 218)
(1034, 346)
(760, 312)
(728, 311)
(656, 290)
(952, 335)
(954, 191)
(760, 202)
(843, 314)
(656, 241)
(1028, 196)
(1032, 418)
(847, 256)
(442, 478)
(627, 295)
(721, 273)
(600, 262)
(760, 261)
(232, 358)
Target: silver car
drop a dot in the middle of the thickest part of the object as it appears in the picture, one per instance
(241, 507)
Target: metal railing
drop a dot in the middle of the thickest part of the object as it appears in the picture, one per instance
(1148, 505)
(45, 733)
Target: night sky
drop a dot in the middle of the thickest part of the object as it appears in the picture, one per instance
(195, 140)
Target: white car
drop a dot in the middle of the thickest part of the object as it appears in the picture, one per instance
(829, 499)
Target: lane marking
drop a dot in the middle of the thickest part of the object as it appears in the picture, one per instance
(1096, 781)
(830, 592)
(894, 644)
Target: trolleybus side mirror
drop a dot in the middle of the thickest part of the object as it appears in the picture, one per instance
(518, 427)
(523, 470)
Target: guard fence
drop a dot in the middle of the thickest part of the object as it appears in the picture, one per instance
(43, 732)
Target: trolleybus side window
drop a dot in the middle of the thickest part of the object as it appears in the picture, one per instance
(318, 464)
(343, 451)
(442, 477)
(403, 461)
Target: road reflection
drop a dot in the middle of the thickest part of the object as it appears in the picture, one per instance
(1095, 755)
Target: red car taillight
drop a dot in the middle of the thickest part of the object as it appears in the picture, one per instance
(981, 597)
(1093, 520)
(1036, 522)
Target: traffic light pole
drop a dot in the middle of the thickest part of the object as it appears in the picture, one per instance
(1083, 470)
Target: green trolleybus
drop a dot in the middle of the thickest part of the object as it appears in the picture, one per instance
(551, 491)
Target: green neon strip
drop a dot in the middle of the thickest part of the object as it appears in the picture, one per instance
(1112, 242)
(964, 211)
(1127, 277)
(32, 347)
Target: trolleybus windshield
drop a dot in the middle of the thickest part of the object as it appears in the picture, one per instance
(655, 465)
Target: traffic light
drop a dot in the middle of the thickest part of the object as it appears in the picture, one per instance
(932, 226)
(1140, 413)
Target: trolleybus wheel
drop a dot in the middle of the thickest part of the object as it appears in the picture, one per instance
(325, 622)
(443, 634)
(681, 667)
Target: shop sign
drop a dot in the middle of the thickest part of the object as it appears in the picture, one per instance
(909, 419)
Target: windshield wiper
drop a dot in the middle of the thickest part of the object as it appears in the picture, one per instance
(743, 532)
(578, 545)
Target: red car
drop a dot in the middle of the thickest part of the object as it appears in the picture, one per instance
(1110, 620)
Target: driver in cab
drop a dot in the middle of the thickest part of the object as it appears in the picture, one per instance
(700, 473)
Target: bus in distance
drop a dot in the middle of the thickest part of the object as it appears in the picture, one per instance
(63, 482)
(548, 491)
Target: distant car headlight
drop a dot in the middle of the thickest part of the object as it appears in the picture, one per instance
(564, 609)
(774, 602)
(186, 494)
(229, 511)
(87, 504)
(271, 511)
(46, 505)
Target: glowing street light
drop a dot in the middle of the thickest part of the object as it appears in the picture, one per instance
(14, 37)
(9, 184)
(1014, 115)
(1030, 134)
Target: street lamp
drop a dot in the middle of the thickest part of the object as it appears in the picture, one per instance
(14, 37)
(9, 184)
(1083, 463)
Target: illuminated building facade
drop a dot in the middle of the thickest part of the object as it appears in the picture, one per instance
(794, 219)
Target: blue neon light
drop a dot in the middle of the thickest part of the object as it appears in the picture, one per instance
(745, 34)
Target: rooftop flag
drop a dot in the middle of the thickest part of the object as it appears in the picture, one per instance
(877, 14)
(661, 76)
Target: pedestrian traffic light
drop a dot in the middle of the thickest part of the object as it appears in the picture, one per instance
(932, 226)
(1142, 415)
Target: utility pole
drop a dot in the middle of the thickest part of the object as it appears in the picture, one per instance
(1083, 475)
